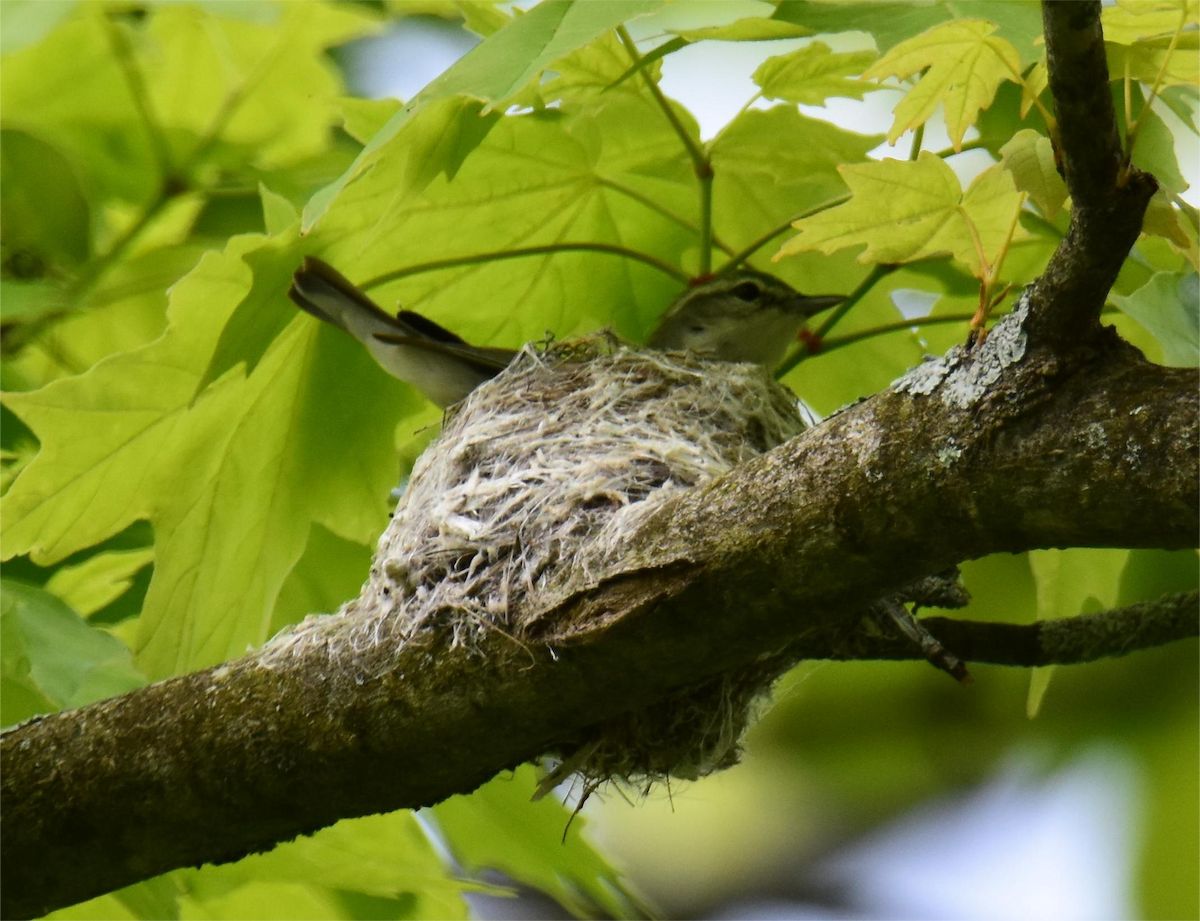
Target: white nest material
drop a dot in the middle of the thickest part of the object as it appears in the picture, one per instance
(527, 494)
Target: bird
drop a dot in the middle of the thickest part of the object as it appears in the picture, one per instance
(743, 315)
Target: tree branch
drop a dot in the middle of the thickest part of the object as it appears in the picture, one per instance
(1107, 203)
(214, 765)
(1066, 641)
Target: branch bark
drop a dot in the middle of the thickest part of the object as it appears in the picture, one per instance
(1108, 204)
(214, 765)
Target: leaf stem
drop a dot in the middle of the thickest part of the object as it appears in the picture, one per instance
(976, 144)
(1131, 134)
(700, 161)
(738, 114)
(123, 54)
(742, 255)
(658, 208)
(872, 278)
(706, 231)
(917, 140)
(837, 342)
(521, 252)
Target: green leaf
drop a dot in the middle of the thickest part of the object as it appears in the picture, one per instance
(1029, 156)
(99, 580)
(499, 827)
(751, 29)
(904, 211)
(247, 10)
(1128, 23)
(384, 856)
(1154, 146)
(278, 213)
(80, 491)
(966, 63)
(888, 22)
(1071, 582)
(362, 118)
(331, 570)
(23, 22)
(1184, 101)
(1020, 22)
(491, 73)
(124, 310)
(600, 66)
(1163, 219)
(811, 75)
(42, 207)
(272, 72)
(1145, 60)
(1034, 85)
(64, 657)
(1167, 305)
(541, 178)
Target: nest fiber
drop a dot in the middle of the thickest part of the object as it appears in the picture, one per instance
(528, 493)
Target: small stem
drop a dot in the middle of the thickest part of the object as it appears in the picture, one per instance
(738, 114)
(837, 342)
(1012, 229)
(1131, 135)
(102, 263)
(657, 208)
(700, 161)
(706, 234)
(984, 267)
(742, 255)
(945, 152)
(1128, 94)
(988, 281)
(877, 272)
(137, 90)
(917, 140)
(521, 252)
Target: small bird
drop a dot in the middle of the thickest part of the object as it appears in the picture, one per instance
(745, 316)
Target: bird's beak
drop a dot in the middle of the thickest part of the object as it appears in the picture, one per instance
(811, 304)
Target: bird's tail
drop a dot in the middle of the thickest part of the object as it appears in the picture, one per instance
(321, 290)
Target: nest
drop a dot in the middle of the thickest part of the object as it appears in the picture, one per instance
(528, 493)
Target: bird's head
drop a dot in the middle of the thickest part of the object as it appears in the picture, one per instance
(740, 316)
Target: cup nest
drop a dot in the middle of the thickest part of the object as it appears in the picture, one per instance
(528, 494)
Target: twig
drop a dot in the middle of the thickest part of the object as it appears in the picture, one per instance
(700, 160)
(521, 252)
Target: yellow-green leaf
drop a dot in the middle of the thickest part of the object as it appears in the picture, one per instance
(1071, 582)
(751, 29)
(1034, 85)
(98, 580)
(904, 211)
(811, 75)
(966, 63)
(1146, 60)
(1132, 21)
(1163, 219)
(1029, 156)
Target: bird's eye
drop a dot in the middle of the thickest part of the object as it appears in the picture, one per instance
(746, 291)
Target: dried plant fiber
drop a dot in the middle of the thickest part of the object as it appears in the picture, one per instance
(528, 493)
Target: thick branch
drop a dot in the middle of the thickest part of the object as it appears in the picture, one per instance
(210, 766)
(1089, 145)
(1107, 203)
